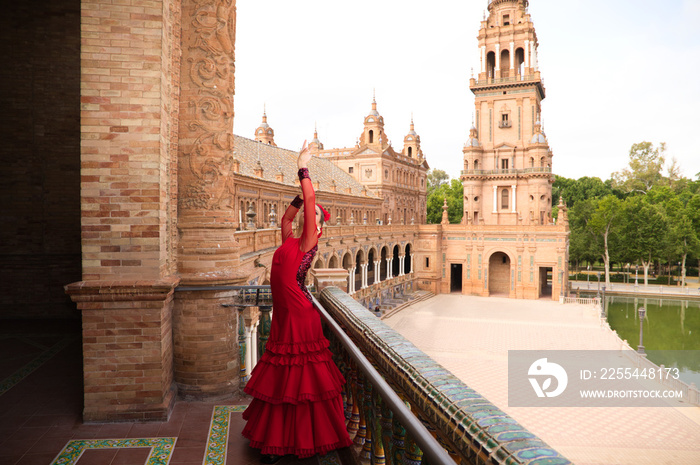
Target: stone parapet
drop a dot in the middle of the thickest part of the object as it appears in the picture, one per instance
(127, 348)
(465, 423)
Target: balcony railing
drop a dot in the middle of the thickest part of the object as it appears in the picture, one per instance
(537, 169)
(505, 124)
(489, 81)
(400, 405)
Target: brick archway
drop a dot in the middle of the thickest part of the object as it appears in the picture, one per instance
(499, 274)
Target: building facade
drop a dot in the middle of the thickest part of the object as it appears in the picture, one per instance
(399, 178)
(508, 243)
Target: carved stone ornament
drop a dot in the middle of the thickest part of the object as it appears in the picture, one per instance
(209, 62)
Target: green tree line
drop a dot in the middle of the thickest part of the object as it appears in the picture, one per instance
(647, 214)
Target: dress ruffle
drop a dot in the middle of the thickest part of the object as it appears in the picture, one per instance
(295, 379)
(303, 430)
(303, 347)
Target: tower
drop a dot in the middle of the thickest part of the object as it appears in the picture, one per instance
(411, 143)
(507, 173)
(264, 133)
(373, 132)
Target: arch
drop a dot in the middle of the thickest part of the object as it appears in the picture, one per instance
(466, 165)
(490, 64)
(407, 260)
(532, 162)
(359, 260)
(318, 263)
(410, 152)
(476, 164)
(383, 264)
(371, 257)
(505, 196)
(520, 61)
(371, 136)
(505, 63)
(542, 162)
(395, 263)
(333, 261)
(499, 274)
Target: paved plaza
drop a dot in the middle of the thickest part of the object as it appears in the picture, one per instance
(471, 336)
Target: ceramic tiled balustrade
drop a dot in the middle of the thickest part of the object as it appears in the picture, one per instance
(466, 423)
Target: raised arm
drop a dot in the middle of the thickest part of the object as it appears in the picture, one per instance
(288, 217)
(309, 237)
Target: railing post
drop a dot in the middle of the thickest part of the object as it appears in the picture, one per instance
(399, 442)
(387, 433)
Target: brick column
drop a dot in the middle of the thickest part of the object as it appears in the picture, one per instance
(205, 333)
(129, 72)
(127, 348)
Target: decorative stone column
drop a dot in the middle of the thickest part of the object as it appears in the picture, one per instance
(206, 361)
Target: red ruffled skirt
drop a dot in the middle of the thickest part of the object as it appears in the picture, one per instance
(297, 406)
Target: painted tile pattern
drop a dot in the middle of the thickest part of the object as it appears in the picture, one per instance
(462, 417)
(217, 443)
(161, 449)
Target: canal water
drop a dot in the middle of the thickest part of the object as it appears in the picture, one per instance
(671, 334)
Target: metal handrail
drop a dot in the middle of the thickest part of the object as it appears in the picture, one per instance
(430, 447)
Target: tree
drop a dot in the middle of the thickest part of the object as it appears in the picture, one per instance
(454, 192)
(602, 225)
(583, 245)
(576, 190)
(644, 169)
(644, 232)
(436, 178)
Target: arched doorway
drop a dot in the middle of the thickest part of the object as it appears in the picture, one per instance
(395, 262)
(499, 274)
(347, 265)
(407, 260)
(383, 264)
(333, 262)
(370, 267)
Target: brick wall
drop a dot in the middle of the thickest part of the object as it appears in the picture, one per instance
(128, 103)
(39, 186)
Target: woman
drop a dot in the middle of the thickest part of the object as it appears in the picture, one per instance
(297, 407)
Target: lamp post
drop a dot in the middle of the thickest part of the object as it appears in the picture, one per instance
(598, 284)
(602, 305)
(636, 275)
(642, 313)
(588, 277)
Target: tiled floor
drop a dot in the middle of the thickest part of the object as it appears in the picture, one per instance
(586, 436)
(41, 404)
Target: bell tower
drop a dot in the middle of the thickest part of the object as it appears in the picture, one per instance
(373, 133)
(264, 133)
(411, 143)
(507, 173)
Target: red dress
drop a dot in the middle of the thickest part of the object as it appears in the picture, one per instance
(297, 407)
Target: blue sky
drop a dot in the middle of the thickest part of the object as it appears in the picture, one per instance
(616, 73)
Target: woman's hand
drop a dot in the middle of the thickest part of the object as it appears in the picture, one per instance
(304, 157)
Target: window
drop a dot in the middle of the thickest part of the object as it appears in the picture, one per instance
(350, 170)
(504, 163)
(371, 136)
(504, 198)
(427, 262)
(476, 217)
(506, 20)
(410, 152)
